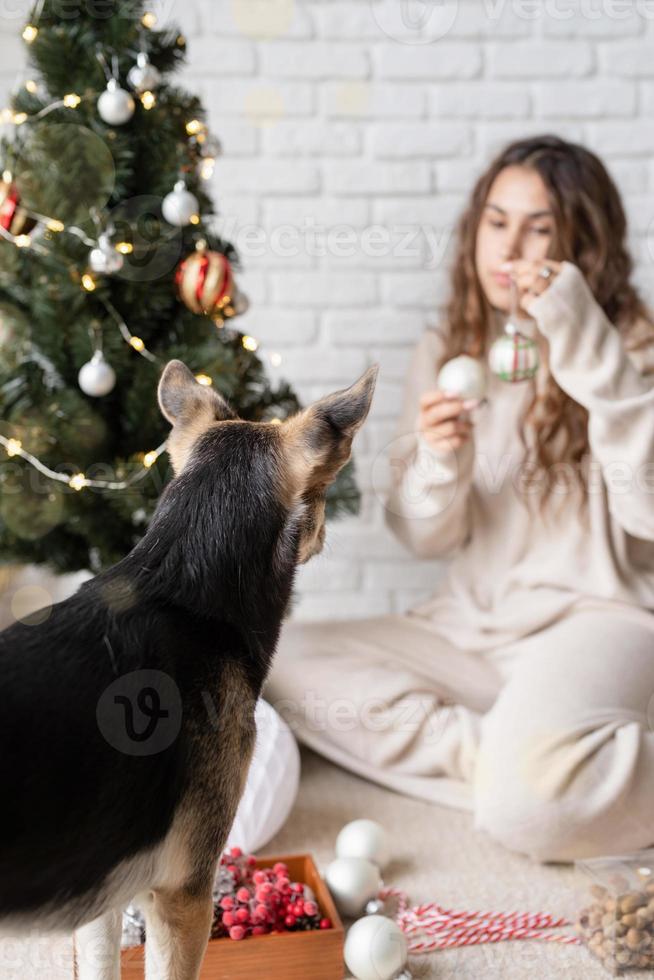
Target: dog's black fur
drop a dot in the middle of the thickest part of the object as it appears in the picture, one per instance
(201, 596)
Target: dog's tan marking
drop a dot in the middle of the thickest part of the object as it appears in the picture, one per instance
(178, 925)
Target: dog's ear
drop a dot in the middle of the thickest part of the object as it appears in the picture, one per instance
(320, 437)
(346, 410)
(181, 398)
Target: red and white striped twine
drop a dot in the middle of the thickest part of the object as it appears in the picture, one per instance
(429, 927)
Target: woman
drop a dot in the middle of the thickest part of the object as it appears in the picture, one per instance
(521, 688)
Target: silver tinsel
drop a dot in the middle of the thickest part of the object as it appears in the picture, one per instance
(133, 927)
(223, 883)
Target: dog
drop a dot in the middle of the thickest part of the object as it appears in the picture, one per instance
(116, 785)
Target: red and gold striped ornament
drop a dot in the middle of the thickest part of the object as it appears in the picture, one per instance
(205, 282)
(13, 218)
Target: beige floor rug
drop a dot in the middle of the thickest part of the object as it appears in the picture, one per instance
(439, 857)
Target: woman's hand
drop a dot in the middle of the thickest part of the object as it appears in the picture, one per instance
(441, 422)
(529, 278)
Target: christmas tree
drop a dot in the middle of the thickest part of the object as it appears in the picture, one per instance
(110, 265)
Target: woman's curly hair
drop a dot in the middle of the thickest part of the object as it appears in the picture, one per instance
(590, 231)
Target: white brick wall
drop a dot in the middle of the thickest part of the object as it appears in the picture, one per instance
(342, 128)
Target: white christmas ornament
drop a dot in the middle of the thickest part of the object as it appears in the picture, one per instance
(352, 882)
(143, 77)
(180, 205)
(104, 259)
(96, 378)
(364, 839)
(115, 105)
(272, 783)
(375, 948)
(464, 376)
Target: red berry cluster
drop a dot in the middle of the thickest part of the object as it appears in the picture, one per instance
(262, 900)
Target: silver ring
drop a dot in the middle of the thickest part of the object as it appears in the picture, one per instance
(545, 272)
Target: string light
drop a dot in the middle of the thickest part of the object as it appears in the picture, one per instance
(275, 359)
(53, 224)
(149, 20)
(249, 343)
(13, 447)
(207, 168)
(88, 282)
(203, 379)
(22, 241)
(194, 219)
(78, 481)
(7, 176)
(30, 33)
(148, 100)
(6, 116)
(137, 343)
(125, 248)
(194, 126)
(31, 86)
(71, 100)
(18, 118)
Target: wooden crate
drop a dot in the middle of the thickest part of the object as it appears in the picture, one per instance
(316, 953)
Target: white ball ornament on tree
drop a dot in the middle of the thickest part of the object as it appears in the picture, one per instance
(97, 377)
(364, 839)
(144, 77)
(104, 259)
(464, 376)
(115, 105)
(179, 207)
(352, 883)
(375, 948)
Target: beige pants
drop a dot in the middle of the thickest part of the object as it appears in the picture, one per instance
(549, 741)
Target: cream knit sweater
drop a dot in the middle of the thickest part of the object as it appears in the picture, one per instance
(513, 571)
